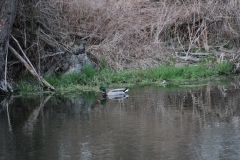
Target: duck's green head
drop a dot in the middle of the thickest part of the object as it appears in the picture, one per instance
(103, 89)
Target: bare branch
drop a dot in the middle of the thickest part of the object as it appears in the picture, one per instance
(31, 70)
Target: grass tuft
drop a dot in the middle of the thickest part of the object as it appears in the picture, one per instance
(91, 78)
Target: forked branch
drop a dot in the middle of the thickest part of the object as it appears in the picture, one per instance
(31, 69)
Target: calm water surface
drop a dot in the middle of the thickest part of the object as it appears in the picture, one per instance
(152, 123)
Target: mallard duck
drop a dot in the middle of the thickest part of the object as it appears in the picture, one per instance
(113, 93)
(118, 97)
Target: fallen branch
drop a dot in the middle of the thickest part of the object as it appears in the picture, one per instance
(200, 54)
(28, 61)
(188, 58)
(31, 70)
(51, 41)
(51, 55)
(208, 20)
(197, 54)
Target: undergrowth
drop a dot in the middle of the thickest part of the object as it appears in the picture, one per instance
(91, 78)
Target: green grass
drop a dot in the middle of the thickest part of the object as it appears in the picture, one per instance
(91, 78)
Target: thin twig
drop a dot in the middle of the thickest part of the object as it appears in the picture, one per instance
(5, 74)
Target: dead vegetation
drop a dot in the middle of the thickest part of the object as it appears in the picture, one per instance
(127, 33)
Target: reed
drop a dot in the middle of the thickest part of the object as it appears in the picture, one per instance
(130, 33)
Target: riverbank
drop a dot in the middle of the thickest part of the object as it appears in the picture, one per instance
(90, 78)
(125, 35)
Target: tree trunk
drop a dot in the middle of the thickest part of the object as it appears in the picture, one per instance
(8, 10)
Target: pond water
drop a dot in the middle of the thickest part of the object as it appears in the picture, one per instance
(152, 123)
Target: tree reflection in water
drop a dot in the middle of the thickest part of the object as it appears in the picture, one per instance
(152, 123)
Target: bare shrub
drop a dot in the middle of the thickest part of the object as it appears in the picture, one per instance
(126, 33)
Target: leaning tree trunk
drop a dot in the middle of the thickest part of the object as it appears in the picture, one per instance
(8, 10)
